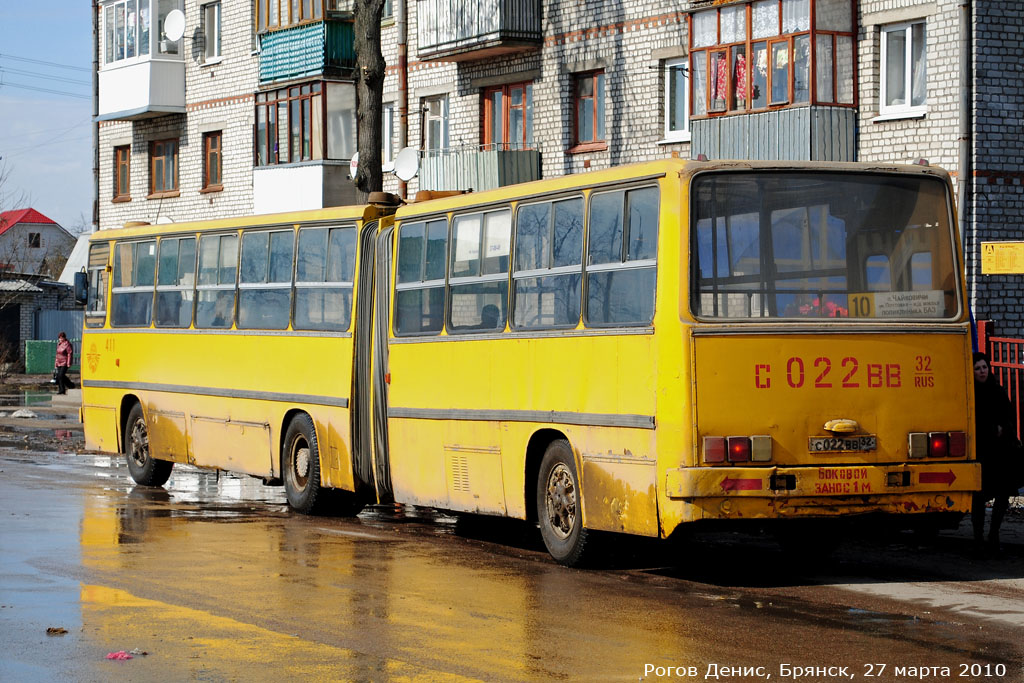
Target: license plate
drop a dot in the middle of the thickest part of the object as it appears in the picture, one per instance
(842, 444)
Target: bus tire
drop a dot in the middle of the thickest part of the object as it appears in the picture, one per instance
(300, 467)
(558, 505)
(144, 468)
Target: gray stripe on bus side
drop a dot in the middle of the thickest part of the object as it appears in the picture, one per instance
(220, 393)
(548, 416)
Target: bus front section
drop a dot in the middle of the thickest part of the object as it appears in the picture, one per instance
(830, 348)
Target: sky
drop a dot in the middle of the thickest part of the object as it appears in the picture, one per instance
(46, 137)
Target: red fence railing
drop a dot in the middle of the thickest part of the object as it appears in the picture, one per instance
(1007, 356)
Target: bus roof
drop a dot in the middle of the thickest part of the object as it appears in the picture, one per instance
(361, 212)
(648, 169)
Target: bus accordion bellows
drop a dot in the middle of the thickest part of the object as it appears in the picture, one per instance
(628, 350)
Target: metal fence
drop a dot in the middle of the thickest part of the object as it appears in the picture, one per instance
(50, 323)
(1007, 360)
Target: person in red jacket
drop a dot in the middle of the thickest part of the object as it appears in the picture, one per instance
(65, 358)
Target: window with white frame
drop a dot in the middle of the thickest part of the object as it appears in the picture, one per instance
(125, 30)
(387, 150)
(435, 124)
(677, 104)
(904, 79)
(211, 32)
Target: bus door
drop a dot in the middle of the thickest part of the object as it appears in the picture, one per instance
(382, 285)
(360, 410)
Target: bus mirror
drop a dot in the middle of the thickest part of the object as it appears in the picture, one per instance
(81, 288)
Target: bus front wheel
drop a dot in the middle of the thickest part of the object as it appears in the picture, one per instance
(301, 466)
(558, 505)
(144, 468)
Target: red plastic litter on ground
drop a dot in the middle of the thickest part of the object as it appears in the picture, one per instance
(118, 655)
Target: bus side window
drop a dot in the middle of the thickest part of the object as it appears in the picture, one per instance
(176, 277)
(215, 296)
(132, 299)
(419, 286)
(621, 258)
(265, 279)
(549, 265)
(877, 274)
(324, 271)
(921, 271)
(96, 307)
(479, 271)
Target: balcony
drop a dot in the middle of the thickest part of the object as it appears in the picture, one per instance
(459, 30)
(477, 169)
(323, 48)
(818, 133)
(143, 72)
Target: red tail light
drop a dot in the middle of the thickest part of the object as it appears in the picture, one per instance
(957, 444)
(739, 449)
(714, 449)
(938, 445)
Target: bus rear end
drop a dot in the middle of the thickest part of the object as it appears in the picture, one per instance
(830, 346)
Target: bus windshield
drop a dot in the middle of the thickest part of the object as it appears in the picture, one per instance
(796, 245)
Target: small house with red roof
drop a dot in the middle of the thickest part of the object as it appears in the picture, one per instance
(32, 244)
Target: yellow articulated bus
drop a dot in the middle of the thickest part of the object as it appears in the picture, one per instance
(626, 350)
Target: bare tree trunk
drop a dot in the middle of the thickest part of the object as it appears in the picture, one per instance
(369, 92)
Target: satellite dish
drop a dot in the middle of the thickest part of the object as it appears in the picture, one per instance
(174, 25)
(353, 166)
(164, 220)
(407, 164)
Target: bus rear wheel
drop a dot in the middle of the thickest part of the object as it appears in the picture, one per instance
(144, 468)
(558, 505)
(301, 465)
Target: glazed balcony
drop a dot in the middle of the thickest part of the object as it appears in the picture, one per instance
(459, 30)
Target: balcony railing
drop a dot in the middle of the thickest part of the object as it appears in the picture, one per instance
(818, 133)
(477, 168)
(324, 48)
(456, 30)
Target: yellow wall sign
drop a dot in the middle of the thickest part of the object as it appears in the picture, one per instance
(1002, 258)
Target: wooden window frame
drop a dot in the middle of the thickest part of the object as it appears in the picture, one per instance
(732, 107)
(597, 144)
(309, 11)
(122, 169)
(169, 190)
(213, 154)
(507, 107)
(270, 101)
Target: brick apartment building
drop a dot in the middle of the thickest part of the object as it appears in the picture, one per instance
(253, 109)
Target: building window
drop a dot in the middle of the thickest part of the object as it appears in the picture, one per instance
(388, 12)
(588, 90)
(508, 117)
(163, 168)
(290, 123)
(757, 55)
(275, 14)
(387, 151)
(213, 161)
(122, 173)
(125, 30)
(35, 240)
(435, 124)
(211, 32)
(904, 70)
(677, 101)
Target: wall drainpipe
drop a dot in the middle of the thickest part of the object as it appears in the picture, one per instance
(965, 173)
(403, 84)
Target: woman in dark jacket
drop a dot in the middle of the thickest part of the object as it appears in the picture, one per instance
(995, 447)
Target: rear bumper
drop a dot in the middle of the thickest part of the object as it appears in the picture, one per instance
(786, 483)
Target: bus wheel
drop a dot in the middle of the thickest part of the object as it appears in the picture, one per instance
(301, 466)
(144, 468)
(558, 505)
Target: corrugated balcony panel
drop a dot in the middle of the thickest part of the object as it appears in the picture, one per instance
(455, 30)
(795, 134)
(478, 169)
(306, 50)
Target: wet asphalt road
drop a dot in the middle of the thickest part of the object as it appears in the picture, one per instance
(217, 580)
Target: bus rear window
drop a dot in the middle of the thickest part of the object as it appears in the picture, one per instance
(822, 245)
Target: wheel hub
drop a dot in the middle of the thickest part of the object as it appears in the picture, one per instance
(561, 501)
(139, 443)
